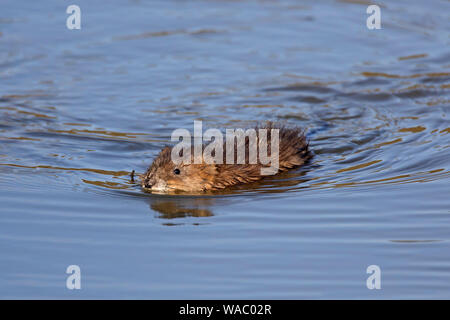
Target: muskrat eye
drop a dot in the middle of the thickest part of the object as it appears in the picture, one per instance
(176, 171)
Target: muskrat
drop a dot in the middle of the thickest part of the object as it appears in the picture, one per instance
(164, 175)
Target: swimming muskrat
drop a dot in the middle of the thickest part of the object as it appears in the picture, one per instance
(164, 175)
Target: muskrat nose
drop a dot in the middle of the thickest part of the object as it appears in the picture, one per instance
(146, 183)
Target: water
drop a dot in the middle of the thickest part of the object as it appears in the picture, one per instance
(80, 109)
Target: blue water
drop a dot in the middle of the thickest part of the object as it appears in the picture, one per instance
(81, 109)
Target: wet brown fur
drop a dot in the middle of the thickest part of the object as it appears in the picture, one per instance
(293, 152)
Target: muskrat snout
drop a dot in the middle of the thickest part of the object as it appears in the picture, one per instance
(146, 183)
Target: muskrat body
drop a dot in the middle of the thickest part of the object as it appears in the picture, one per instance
(165, 176)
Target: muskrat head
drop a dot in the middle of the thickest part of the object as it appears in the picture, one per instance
(165, 176)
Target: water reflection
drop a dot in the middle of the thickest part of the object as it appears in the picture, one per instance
(176, 208)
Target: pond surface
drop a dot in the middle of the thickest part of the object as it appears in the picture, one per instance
(81, 109)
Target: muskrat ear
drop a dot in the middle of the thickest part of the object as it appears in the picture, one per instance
(209, 169)
(166, 149)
